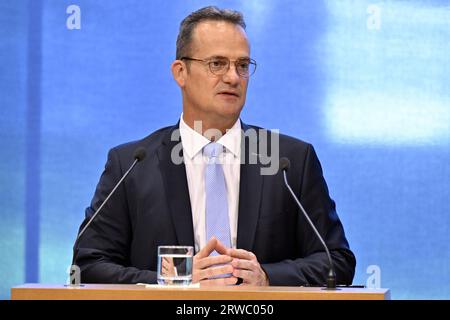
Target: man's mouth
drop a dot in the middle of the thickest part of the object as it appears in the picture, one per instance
(229, 93)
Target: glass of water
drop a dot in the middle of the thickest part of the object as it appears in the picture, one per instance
(175, 265)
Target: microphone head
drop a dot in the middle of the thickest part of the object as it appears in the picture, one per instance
(284, 164)
(139, 154)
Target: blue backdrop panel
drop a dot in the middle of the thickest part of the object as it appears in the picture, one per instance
(13, 118)
(367, 83)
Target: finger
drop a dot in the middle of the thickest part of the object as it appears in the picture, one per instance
(219, 282)
(246, 275)
(243, 264)
(241, 254)
(207, 249)
(215, 271)
(210, 261)
(221, 248)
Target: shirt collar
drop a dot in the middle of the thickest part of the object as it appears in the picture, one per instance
(193, 142)
(231, 140)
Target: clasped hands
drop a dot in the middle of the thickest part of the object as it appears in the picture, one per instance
(227, 267)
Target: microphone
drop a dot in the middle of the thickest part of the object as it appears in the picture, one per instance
(138, 155)
(331, 278)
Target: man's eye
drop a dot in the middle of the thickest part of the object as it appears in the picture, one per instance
(218, 63)
(243, 65)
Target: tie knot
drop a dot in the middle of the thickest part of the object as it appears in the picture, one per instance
(212, 150)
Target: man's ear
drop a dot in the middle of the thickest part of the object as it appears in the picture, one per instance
(179, 72)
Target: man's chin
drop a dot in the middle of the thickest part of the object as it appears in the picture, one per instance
(230, 109)
(231, 113)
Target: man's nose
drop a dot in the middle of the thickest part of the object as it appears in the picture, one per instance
(231, 76)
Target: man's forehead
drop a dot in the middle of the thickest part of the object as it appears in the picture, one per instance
(220, 36)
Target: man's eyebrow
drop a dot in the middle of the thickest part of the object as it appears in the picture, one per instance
(216, 57)
(223, 57)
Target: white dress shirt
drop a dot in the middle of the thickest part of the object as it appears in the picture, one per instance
(193, 143)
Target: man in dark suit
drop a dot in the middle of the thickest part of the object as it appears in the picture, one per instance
(255, 234)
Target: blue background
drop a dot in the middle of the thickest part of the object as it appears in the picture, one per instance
(367, 83)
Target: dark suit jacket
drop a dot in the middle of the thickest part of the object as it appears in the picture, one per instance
(152, 208)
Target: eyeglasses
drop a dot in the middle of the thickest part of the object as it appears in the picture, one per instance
(218, 66)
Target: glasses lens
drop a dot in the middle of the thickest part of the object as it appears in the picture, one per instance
(218, 65)
(244, 67)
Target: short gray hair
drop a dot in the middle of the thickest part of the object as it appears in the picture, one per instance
(188, 24)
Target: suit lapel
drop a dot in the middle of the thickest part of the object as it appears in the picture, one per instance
(176, 187)
(250, 189)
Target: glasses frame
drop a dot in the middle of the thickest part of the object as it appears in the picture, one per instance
(210, 60)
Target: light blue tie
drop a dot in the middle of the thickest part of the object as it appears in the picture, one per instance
(217, 222)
